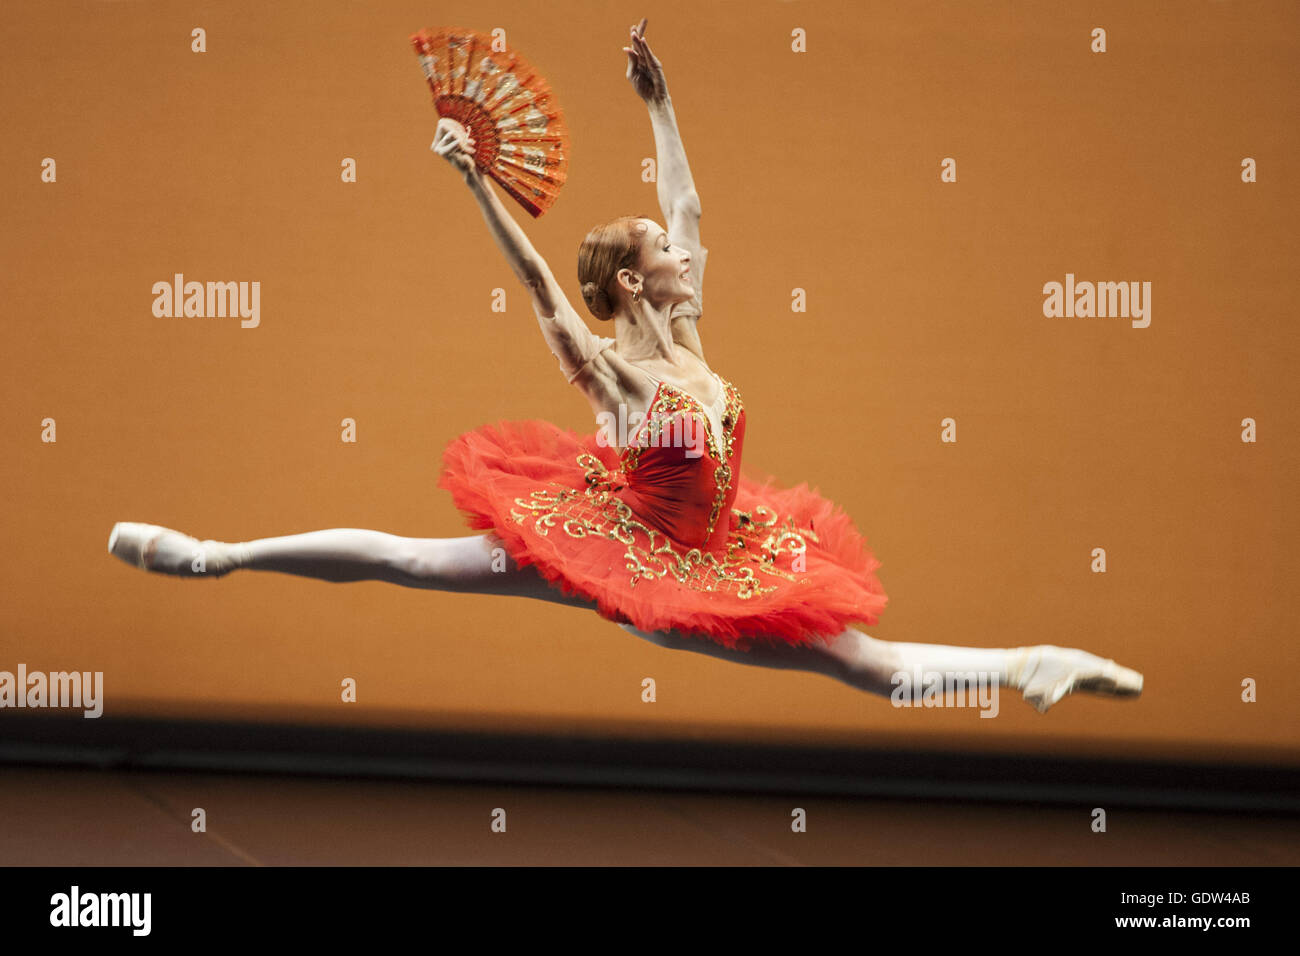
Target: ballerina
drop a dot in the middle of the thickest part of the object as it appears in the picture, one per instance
(657, 528)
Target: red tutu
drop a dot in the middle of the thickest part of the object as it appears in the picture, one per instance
(670, 534)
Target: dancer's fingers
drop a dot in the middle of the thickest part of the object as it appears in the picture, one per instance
(646, 55)
(447, 140)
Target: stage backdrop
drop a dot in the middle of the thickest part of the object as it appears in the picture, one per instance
(921, 171)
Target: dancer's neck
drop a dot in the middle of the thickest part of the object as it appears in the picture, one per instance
(645, 334)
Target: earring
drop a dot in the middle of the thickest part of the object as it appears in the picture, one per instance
(636, 296)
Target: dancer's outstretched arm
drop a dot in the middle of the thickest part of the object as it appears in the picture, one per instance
(566, 334)
(678, 199)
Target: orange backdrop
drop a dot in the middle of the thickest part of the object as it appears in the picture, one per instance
(818, 170)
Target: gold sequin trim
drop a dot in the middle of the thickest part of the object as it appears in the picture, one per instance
(753, 546)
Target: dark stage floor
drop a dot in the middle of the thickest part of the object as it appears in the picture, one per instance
(76, 817)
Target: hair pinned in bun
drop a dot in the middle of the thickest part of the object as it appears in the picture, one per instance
(608, 248)
(597, 301)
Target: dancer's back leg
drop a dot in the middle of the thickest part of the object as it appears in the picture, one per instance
(1043, 673)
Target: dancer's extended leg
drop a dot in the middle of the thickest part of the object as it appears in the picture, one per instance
(478, 564)
(471, 564)
(1043, 673)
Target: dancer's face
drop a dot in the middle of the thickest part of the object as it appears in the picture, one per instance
(664, 267)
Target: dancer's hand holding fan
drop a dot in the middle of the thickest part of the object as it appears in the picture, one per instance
(499, 108)
(453, 143)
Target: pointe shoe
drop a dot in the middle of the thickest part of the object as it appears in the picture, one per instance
(152, 547)
(1050, 673)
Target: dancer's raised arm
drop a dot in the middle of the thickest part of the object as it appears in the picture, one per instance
(678, 199)
(566, 334)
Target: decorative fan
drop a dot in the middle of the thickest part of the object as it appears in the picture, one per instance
(519, 133)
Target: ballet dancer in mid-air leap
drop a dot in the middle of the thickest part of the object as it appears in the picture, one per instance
(659, 530)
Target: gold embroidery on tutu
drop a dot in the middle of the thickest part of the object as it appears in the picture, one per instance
(753, 544)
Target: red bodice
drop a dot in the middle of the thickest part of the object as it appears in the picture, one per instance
(676, 473)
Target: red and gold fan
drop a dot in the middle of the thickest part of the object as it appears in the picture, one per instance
(520, 136)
